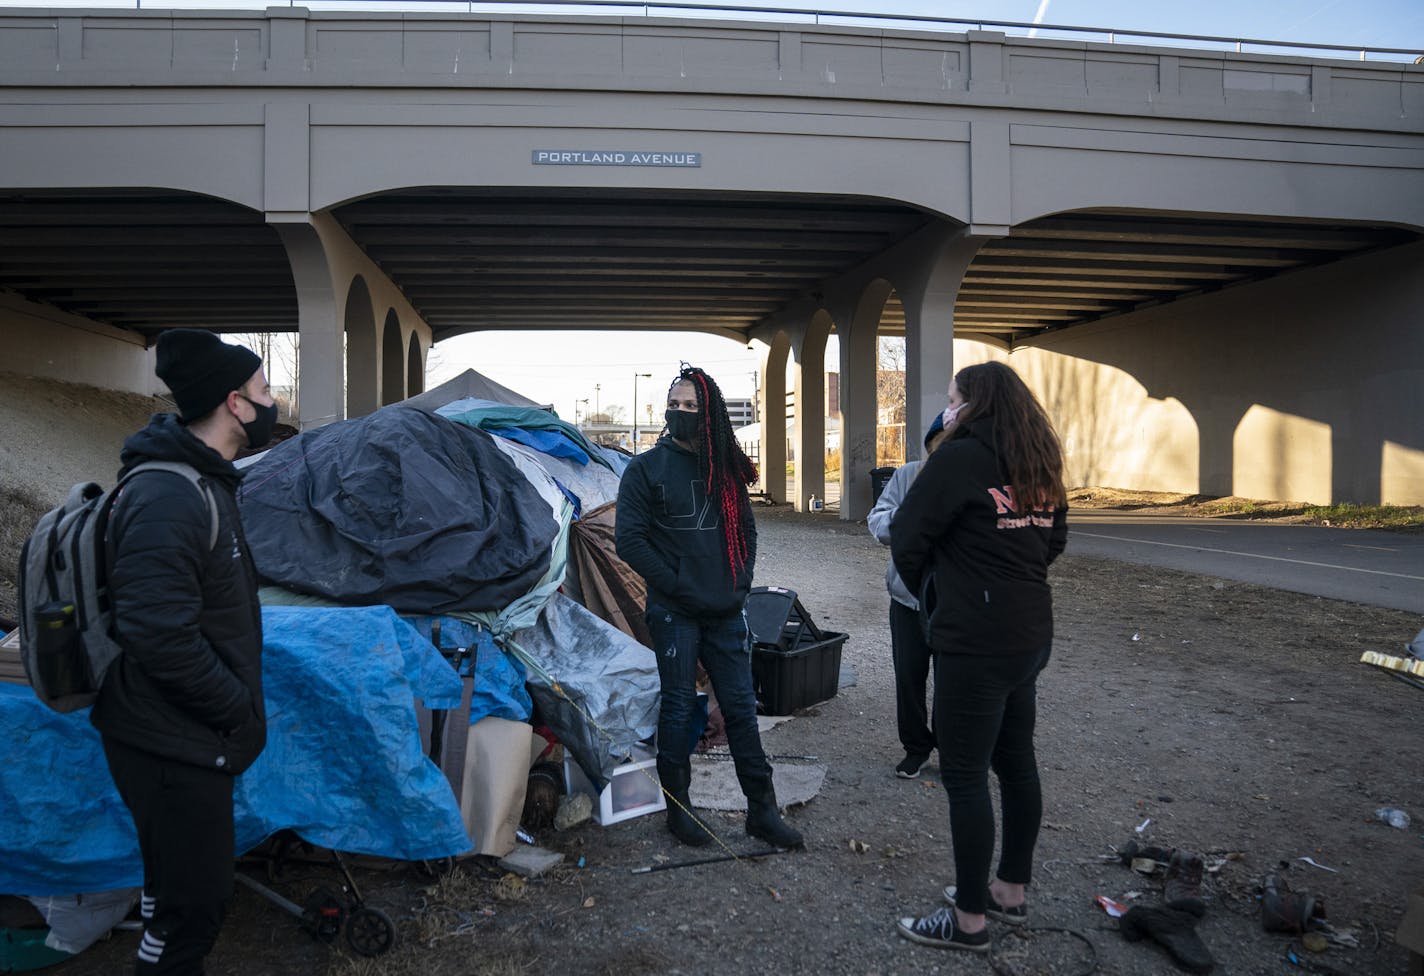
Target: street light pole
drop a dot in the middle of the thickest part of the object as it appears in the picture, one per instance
(647, 376)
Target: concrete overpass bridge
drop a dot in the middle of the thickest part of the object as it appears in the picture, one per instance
(1207, 263)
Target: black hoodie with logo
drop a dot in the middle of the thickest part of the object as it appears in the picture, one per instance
(979, 566)
(671, 533)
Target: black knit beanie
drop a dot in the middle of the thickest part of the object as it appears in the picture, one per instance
(201, 369)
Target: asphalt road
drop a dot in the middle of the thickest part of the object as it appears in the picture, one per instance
(1382, 569)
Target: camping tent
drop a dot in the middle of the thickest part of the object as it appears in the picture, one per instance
(469, 384)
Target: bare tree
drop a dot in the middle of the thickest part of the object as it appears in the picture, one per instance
(890, 400)
(281, 356)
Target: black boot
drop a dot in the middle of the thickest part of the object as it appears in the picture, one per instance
(676, 779)
(764, 816)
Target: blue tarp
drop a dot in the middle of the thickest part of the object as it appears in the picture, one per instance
(539, 429)
(499, 678)
(343, 765)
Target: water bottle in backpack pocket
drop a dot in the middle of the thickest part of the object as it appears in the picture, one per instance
(61, 666)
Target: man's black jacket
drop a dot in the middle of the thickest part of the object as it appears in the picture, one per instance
(671, 533)
(979, 567)
(188, 685)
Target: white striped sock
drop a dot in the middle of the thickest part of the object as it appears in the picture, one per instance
(151, 948)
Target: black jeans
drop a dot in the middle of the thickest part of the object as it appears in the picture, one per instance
(184, 818)
(913, 659)
(986, 708)
(724, 646)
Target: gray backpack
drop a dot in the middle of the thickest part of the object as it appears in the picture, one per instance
(67, 637)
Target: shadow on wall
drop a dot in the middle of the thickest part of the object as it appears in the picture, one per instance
(1306, 387)
(1114, 433)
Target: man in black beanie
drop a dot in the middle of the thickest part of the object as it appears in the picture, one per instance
(181, 711)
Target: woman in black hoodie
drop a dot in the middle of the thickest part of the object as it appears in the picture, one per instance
(974, 537)
(685, 525)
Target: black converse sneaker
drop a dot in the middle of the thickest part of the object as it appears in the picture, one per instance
(938, 929)
(1017, 915)
(910, 766)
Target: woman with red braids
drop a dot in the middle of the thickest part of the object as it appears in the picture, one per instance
(685, 525)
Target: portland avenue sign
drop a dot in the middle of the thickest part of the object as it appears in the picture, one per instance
(613, 157)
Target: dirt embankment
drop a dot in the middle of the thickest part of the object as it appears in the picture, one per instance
(53, 435)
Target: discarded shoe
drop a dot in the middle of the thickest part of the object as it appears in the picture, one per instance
(938, 929)
(1017, 915)
(1184, 879)
(1283, 910)
(1174, 929)
(1133, 850)
(910, 767)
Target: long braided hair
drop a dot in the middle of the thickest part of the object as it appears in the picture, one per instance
(721, 462)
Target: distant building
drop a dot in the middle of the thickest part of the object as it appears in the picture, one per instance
(741, 411)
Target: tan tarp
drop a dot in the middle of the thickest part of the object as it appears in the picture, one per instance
(609, 587)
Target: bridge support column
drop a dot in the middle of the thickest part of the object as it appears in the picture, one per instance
(810, 353)
(320, 381)
(771, 411)
(928, 290)
(346, 307)
(858, 325)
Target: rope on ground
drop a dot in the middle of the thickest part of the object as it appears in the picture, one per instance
(558, 689)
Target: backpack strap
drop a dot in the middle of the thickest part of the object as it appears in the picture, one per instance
(196, 479)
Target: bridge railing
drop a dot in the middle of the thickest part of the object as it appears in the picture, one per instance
(751, 51)
(805, 15)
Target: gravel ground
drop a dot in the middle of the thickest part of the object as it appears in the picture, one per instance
(1236, 719)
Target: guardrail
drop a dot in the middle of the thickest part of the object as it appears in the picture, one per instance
(801, 14)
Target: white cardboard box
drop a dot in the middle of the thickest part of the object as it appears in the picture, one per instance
(632, 791)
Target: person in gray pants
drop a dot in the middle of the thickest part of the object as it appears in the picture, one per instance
(908, 649)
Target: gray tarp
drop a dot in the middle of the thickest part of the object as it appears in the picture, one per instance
(609, 685)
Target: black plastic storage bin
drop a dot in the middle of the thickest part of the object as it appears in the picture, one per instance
(794, 662)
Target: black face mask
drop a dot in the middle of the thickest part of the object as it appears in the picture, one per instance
(683, 425)
(259, 428)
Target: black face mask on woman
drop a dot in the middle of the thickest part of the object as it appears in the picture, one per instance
(683, 425)
(259, 428)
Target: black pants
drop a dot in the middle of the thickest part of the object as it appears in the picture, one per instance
(913, 658)
(183, 815)
(987, 707)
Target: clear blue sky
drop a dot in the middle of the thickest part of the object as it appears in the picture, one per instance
(560, 368)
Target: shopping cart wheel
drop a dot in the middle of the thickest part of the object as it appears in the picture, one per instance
(370, 931)
(323, 915)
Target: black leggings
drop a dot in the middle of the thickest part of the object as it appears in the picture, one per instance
(985, 709)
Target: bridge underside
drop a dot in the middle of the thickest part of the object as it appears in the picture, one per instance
(470, 260)
(370, 285)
